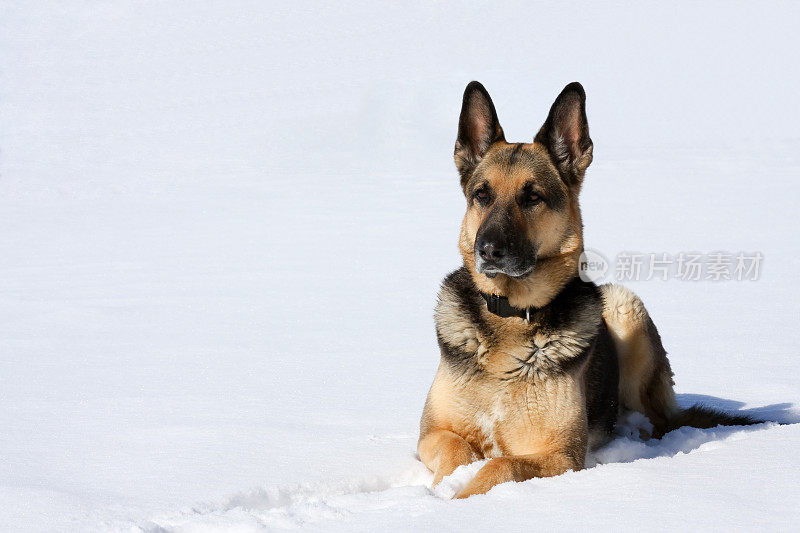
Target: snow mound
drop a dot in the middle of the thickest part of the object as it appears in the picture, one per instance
(293, 506)
(352, 502)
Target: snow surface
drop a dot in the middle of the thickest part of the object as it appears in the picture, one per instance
(224, 225)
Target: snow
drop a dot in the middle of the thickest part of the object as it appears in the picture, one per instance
(224, 226)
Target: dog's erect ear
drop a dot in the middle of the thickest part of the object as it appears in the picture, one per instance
(478, 128)
(565, 133)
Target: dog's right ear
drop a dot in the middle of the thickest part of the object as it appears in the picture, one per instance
(478, 128)
(565, 133)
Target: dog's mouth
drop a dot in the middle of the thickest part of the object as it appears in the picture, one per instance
(491, 270)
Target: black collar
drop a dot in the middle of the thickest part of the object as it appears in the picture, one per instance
(499, 306)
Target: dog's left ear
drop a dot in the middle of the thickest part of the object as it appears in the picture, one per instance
(478, 129)
(565, 133)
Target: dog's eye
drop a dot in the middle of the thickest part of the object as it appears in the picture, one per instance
(529, 198)
(482, 196)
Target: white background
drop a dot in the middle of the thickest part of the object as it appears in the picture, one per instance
(223, 226)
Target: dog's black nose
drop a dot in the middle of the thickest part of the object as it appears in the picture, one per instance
(491, 251)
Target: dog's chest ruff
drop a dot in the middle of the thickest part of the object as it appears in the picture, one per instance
(475, 342)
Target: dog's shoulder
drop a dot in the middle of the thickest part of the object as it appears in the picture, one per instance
(578, 307)
(459, 302)
(461, 327)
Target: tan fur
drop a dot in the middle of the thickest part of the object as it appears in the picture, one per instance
(490, 417)
(444, 451)
(524, 412)
(467, 419)
(645, 375)
(536, 428)
(518, 468)
(529, 428)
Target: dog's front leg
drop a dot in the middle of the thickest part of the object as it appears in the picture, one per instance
(443, 451)
(519, 468)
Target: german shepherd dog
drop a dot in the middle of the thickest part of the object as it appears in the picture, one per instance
(536, 364)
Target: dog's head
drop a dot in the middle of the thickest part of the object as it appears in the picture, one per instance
(522, 206)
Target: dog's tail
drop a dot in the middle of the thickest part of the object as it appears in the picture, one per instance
(645, 380)
(700, 416)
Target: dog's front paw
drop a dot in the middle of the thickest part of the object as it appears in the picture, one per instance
(493, 473)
